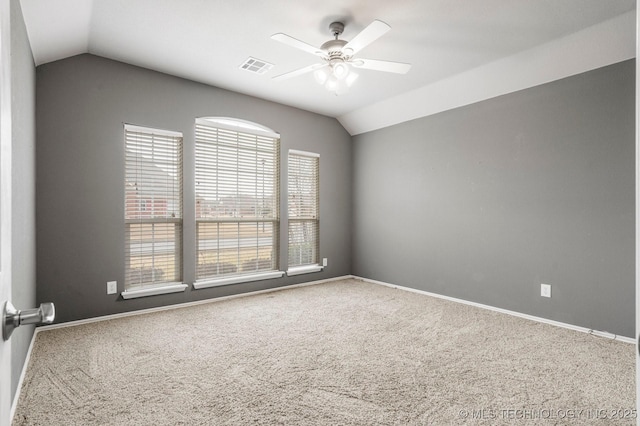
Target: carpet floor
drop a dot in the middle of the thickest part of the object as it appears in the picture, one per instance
(339, 353)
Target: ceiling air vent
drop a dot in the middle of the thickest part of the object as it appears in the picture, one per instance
(257, 66)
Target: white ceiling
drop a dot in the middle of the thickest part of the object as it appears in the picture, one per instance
(207, 41)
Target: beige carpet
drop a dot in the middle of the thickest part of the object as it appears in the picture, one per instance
(339, 353)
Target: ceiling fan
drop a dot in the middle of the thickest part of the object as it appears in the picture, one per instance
(334, 72)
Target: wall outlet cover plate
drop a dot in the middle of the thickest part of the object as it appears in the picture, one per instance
(545, 290)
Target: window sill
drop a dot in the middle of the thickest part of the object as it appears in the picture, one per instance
(306, 269)
(154, 290)
(237, 279)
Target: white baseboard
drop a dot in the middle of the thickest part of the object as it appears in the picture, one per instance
(185, 305)
(506, 311)
(16, 397)
(269, 290)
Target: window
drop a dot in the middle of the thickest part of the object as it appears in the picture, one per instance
(237, 167)
(303, 206)
(153, 211)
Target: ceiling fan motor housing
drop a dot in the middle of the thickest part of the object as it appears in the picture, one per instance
(333, 48)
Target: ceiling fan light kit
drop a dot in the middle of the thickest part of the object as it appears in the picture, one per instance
(335, 72)
(335, 77)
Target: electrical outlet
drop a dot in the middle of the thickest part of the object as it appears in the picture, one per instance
(112, 287)
(545, 290)
(325, 262)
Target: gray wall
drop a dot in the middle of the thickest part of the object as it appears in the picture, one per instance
(487, 201)
(82, 103)
(23, 240)
(482, 203)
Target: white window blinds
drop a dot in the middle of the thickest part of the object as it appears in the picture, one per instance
(153, 207)
(303, 206)
(237, 172)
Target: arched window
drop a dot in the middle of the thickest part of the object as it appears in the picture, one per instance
(237, 124)
(237, 169)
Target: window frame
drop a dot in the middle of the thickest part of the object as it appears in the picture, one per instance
(175, 284)
(314, 265)
(240, 127)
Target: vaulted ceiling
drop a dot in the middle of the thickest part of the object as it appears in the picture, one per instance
(461, 51)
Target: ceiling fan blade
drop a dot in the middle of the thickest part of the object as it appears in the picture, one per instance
(299, 71)
(294, 42)
(371, 33)
(386, 66)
